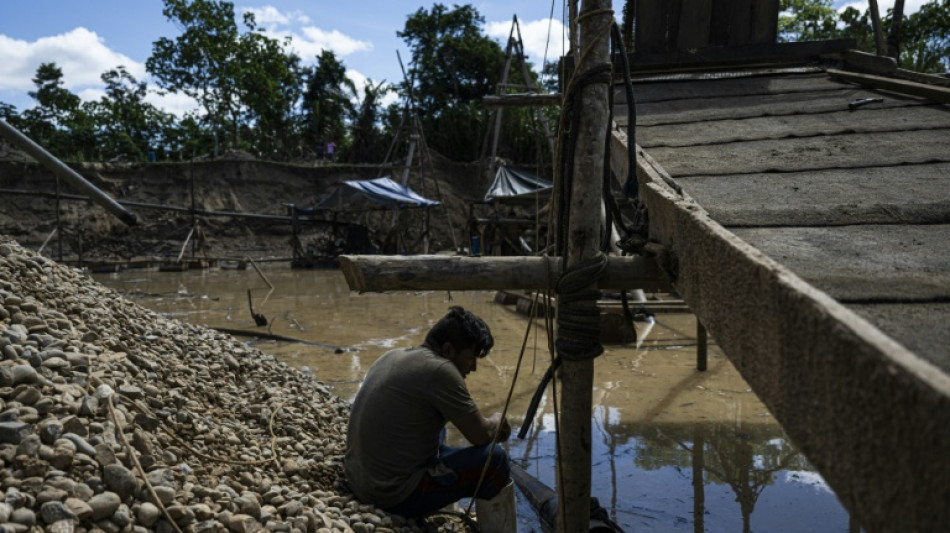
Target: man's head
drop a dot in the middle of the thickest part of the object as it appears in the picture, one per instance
(461, 337)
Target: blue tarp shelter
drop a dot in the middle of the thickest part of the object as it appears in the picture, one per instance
(381, 191)
(516, 183)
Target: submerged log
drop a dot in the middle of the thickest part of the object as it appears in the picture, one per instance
(376, 273)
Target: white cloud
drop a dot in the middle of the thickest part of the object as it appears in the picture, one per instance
(81, 54)
(306, 40)
(270, 18)
(175, 103)
(91, 94)
(536, 36)
(316, 39)
(359, 79)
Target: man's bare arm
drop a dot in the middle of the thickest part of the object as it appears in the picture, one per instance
(479, 430)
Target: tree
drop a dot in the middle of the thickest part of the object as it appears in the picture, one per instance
(453, 66)
(270, 92)
(202, 61)
(58, 122)
(807, 20)
(925, 39)
(367, 139)
(128, 125)
(327, 101)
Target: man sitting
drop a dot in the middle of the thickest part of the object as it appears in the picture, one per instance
(396, 457)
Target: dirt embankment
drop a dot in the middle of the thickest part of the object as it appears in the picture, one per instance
(231, 185)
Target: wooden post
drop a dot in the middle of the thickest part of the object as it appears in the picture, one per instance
(701, 347)
(879, 46)
(894, 36)
(583, 243)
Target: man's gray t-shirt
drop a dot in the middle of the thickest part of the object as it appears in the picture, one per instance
(403, 404)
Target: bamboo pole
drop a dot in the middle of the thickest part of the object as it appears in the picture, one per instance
(894, 36)
(574, 436)
(879, 45)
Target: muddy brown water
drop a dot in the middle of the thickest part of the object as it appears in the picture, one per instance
(674, 450)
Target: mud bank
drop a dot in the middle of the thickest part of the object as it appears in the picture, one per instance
(248, 186)
(116, 419)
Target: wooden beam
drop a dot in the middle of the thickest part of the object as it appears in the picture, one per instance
(378, 273)
(887, 67)
(933, 92)
(522, 100)
(759, 53)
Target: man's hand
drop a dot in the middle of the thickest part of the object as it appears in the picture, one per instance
(501, 426)
(480, 430)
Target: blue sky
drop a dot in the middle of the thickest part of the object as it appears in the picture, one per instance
(88, 37)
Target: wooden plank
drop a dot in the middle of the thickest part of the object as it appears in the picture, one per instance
(871, 416)
(905, 321)
(651, 60)
(777, 105)
(740, 22)
(910, 194)
(374, 273)
(935, 93)
(764, 21)
(694, 23)
(791, 155)
(652, 25)
(863, 120)
(863, 262)
(717, 88)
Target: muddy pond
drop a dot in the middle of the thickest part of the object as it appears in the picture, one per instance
(674, 449)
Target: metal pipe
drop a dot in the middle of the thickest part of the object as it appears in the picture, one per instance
(72, 177)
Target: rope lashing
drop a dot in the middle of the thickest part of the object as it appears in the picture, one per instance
(570, 121)
(578, 317)
(578, 322)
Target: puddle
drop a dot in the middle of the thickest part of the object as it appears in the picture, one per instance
(674, 450)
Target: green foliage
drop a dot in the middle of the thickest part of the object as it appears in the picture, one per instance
(269, 91)
(127, 125)
(926, 38)
(453, 66)
(57, 122)
(368, 139)
(328, 101)
(202, 62)
(807, 20)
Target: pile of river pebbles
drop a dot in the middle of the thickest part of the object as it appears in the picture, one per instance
(116, 419)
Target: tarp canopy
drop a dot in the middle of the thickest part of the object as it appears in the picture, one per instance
(382, 191)
(514, 182)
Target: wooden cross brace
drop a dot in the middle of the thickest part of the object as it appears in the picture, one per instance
(377, 273)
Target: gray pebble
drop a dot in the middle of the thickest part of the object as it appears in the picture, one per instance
(55, 511)
(103, 505)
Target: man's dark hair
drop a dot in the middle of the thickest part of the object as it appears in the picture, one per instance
(462, 330)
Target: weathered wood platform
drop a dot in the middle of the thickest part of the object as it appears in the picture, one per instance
(813, 241)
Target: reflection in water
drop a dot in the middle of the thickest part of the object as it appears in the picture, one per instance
(674, 450)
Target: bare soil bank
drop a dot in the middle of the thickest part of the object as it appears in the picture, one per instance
(235, 184)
